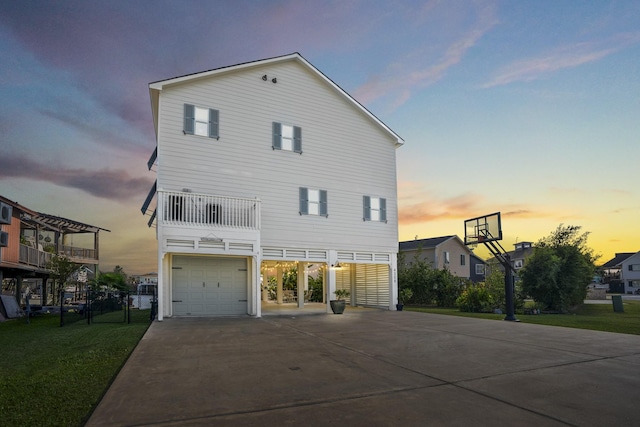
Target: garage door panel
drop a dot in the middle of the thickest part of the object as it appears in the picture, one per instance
(224, 291)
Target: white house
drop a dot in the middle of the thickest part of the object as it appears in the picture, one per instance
(630, 274)
(265, 166)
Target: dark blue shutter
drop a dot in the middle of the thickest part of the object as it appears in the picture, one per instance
(213, 123)
(147, 201)
(383, 210)
(297, 139)
(153, 157)
(277, 136)
(366, 208)
(153, 217)
(189, 119)
(304, 201)
(323, 209)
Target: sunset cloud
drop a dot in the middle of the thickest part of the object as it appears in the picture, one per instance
(567, 56)
(112, 184)
(406, 75)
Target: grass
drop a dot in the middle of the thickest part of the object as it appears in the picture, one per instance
(597, 317)
(56, 376)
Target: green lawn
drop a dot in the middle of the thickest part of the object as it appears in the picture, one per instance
(56, 376)
(598, 317)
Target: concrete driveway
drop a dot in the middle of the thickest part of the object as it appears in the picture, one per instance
(373, 368)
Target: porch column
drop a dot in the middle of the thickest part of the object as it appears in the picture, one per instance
(18, 288)
(302, 282)
(393, 281)
(265, 285)
(279, 286)
(256, 292)
(160, 287)
(331, 279)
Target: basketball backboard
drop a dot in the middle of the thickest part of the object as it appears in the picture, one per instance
(486, 228)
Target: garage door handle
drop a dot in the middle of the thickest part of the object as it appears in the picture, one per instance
(176, 300)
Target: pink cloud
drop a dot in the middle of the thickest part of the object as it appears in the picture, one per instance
(568, 56)
(402, 77)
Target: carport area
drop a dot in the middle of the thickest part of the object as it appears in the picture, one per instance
(372, 367)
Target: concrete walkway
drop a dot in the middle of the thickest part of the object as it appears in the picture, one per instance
(374, 368)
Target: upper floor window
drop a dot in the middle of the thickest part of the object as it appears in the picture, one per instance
(446, 257)
(463, 260)
(201, 121)
(480, 269)
(287, 137)
(518, 263)
(374, 209)
(313, 202)
(634, 267)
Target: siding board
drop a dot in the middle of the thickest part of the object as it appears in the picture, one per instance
(343, 153)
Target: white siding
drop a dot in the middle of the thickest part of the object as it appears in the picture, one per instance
(344, 152)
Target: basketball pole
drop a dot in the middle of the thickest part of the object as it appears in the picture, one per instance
(504, 259)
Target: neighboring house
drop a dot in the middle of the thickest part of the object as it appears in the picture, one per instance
(447, 252)
(145, 279)
(263, 167)
(518, 256)
(477, 268)
(612, 272)
(630, 274)
(28, 240)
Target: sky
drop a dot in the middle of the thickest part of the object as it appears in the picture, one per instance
(530, 108)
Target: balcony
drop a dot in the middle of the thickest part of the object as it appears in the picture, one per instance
(39, 258)
(182, 209)
(34, 257)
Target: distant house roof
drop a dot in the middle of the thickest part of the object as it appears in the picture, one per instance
(617, 260)
(424, 243)
(156, 87)
(472, 255)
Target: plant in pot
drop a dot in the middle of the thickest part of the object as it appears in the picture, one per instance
(338, 304)
(403, 296)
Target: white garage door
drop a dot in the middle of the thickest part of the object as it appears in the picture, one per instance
(209, 286)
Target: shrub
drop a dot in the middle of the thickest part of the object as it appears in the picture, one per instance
(475, 298)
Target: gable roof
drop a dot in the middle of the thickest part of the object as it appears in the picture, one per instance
(617, 260)
(429, 243)
(477, 258)
(156, 87)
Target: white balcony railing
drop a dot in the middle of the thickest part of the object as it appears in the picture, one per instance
(203, 210)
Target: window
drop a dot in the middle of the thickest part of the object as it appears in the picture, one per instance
(634, 283)
(201, 121)
(517, 263)
(287, 137)
(446, 257)
(313, 202)
(462, 259)
(480, 269)
(634, 267)
(374, 209)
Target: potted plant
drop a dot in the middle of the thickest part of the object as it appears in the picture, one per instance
(338, 304)
(403, 296)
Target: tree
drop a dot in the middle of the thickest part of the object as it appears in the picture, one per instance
(560, 269)
(428, 284)
(61, 269)
(111, 281)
